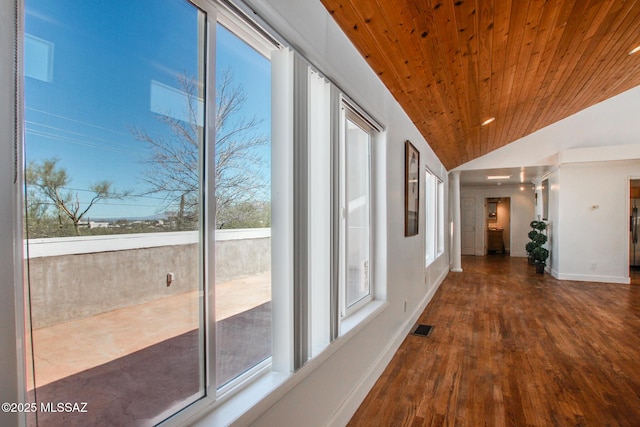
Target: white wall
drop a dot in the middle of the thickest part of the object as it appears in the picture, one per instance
(553, 222)
(522, 213)
(592, 220)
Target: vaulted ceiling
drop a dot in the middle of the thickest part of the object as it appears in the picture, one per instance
(452, 64)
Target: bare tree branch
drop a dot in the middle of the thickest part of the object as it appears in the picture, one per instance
(174, 162)
(49, 180)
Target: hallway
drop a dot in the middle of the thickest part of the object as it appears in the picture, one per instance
(510, 347)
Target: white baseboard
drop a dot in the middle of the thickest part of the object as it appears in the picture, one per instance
(591, 278)
(360, 391)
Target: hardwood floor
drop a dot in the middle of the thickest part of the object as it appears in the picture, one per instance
(512, 348)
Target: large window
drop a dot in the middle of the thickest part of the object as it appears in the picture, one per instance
(430, 185)
(152, 168)
(148, 206)
(440, 231)
(356, 147)
(434, 204)
(243, 204)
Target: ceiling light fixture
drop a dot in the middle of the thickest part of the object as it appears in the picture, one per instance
(499, 177)
(634, 50)
(486, 122)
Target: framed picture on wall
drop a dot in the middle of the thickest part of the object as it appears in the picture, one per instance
(411, 189)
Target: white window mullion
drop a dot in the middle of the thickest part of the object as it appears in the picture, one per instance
(301, 212)
(337, 221)
(440, 224)
(319, 213)
(282, 231)
(209, 216)
(342, 214)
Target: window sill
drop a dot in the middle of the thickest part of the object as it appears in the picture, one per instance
(231, 409)
(359, 319)
(245, 406)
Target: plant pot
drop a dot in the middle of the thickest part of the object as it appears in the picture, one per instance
(540, 268)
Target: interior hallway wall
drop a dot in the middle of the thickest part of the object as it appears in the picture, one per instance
(590, 226)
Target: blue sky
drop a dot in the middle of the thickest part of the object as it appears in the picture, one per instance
(89, 71)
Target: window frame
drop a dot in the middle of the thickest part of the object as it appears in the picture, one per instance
(240, 394)
(214, 13)
(440, 232)
(431, 213)
(350, 113)
(240, 25)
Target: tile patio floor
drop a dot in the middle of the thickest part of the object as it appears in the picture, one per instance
(111, 335)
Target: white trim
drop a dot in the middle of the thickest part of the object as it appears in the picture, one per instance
(363, 315)
(602, 154)
(366, 119)
(591, 278)
(239, 11)
(301, 222)
(319, 213)
(353, 114)
(249, 404)
(246, 29)
(207, 214)
(282, 209)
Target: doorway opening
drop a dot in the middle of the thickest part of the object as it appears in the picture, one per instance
(497, 225)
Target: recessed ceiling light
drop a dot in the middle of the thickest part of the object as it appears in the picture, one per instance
(634, 50)
(486, 122)
(499, 177)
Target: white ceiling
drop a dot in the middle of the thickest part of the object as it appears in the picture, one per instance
(612, 124)
(521, 175)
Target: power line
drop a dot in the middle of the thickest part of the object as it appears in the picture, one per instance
(93, 137)
(72, 140)
(74, 120)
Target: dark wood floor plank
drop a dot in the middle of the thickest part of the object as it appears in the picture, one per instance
(513, 348)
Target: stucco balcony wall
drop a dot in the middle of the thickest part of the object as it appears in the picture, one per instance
(77, 277)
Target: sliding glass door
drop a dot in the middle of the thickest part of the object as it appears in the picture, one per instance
(114, 144)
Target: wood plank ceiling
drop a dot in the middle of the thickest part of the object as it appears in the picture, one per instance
(453, 64)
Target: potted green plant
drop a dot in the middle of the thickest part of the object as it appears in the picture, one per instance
(530, 246)
(540, 256)
(537, 257)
